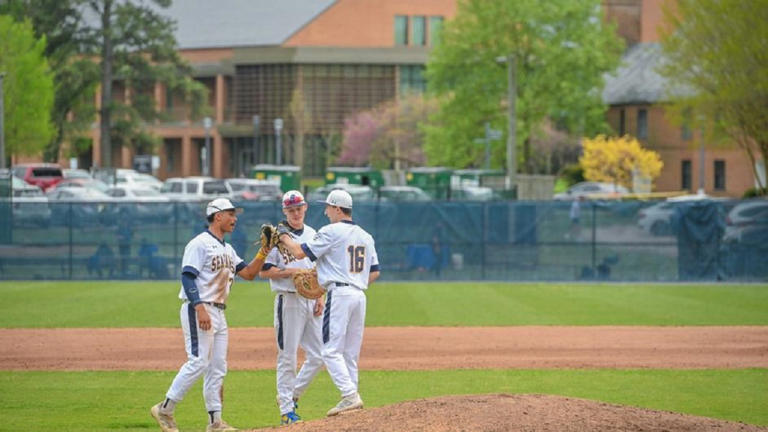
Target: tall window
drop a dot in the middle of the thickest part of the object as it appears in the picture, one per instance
(435, 27)
(401, 30)
(622, 122)
(412, 79)
(719, 175)
(419, 30)
(642, 124)
(685, 174)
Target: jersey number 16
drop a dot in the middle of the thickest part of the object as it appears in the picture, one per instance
(356, 258)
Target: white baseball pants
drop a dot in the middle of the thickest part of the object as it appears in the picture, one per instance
(295, 325)
(206, 356)
(343, 325)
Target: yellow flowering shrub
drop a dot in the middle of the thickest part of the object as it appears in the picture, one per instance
(613, 160)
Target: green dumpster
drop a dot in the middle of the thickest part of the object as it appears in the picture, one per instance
(355, 175)
(288, 176)
(436, 181)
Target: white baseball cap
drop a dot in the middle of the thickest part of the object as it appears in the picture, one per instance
(293, 198)
(220, 204)
(339, 198)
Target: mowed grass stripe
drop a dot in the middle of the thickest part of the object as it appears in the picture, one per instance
(108, 401)
(155, 304)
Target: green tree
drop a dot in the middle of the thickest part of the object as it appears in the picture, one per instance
(28, 88)
(561, 49)
(717, 68)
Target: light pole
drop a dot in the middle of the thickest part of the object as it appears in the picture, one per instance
(2, 124)
(512, 113)
(207, 123)
(278, 141)
(255, 145)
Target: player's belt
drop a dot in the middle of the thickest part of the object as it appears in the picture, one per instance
(221, 306)
(341, 284)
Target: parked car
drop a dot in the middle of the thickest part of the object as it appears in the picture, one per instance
(472, 193)
(138, 202)
(358, 192)
(82, 182)
(81, 206)
(657, 219)
(30, 205)
(43, 175)
(746, 219)
(588, 189)
(403, 193)
(195, 188)
(131, 177)
(254, 190)
(70, 173)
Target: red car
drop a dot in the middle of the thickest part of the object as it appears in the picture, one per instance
(43, 175)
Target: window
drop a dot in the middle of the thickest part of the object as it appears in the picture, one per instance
(719, 175)
(685, 133)
(412, 79)
(401, 30)
(685, 174)
(622, 122)
(419, 30)
(435, 27)
(642, 124)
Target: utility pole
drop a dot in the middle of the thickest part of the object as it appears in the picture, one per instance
(255, 147)
(2, 124)
(207, 123)
(512, 138)
(278, 141)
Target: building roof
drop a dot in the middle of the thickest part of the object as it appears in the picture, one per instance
(636, 80)
(237, 23)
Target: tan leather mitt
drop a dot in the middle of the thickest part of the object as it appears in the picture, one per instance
(307, 285)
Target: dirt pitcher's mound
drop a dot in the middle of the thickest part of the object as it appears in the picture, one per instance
(505, 413)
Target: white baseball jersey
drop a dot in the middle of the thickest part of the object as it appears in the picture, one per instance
(215, 264)
(345, 254)
(277, 259)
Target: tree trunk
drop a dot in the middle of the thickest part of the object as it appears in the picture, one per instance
(105, 110)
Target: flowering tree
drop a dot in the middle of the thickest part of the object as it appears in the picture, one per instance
(389, 134)
(614, 160)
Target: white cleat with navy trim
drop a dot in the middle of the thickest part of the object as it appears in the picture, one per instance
(348, 403)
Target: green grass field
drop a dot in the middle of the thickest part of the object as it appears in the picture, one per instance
(108, 401)
(155, 304)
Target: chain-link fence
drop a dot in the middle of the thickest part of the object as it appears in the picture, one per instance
(506, 241)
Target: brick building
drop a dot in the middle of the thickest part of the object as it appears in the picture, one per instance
(307, 62)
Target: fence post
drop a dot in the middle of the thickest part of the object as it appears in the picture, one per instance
(594, 238)
(71, 221)
(175, 234)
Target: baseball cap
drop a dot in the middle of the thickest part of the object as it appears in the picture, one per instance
(339, 198)
(220, 204)
(293, 198)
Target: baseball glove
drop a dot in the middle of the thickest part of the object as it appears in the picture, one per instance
(268, 238)
(307, 285)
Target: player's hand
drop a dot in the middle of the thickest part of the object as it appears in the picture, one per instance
(282, 229)
(203, 319)
(319, 306)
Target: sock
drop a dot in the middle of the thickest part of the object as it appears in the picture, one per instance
(214, 416)
(168, 405)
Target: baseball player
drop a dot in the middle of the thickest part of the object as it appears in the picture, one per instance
(347, 263)
(297, 319)
(208, 270)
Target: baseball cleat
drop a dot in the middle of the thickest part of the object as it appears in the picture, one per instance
(290, 418)
(348, 403)
(165, 420)
(220, 426)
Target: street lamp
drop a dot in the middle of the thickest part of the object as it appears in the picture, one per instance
(278, 141)
(207, 123)
(255, 146)
(511, 101)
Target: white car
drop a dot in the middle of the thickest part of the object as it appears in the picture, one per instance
(71, 173)
(657, 219)
(139, 202)
(195, 188)
(254, 190)
(590, 189)
(358, 192)
(30, 205)
(746, 219)
(130, 177)
(403, 193)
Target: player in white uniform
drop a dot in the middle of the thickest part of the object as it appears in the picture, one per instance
(347, 263)
(208, 270)
(297, 319)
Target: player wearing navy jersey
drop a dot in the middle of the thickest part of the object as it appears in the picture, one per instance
(346, 260)
(296, 319)
(208, 270)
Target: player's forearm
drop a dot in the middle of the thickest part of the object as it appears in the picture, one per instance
(252, 269)
(293, 247)
(275, 273)
(372, 277)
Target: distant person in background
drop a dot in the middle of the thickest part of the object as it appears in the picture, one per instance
(101, 259)
(438, 248)
(124, 236)
(574, 231)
